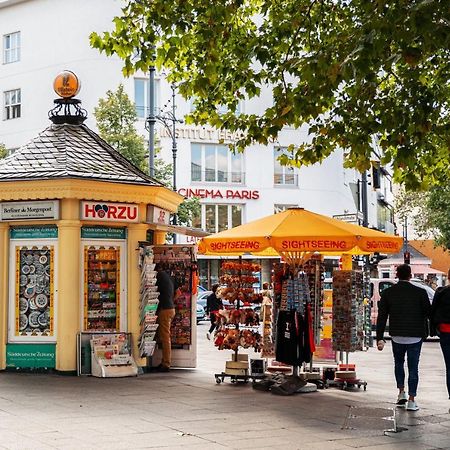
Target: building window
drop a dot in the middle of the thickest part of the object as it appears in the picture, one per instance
(216, 164)
(280, 208)
(12, 100)
(215, 218)
(142, 97)
(11, 47)
(283, 175)
(221, 109)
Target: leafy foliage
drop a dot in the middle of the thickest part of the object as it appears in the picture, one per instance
(428, 212)
(116, 117)
(351, 72)
(3, 151)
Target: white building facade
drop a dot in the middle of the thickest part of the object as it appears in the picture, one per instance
(40, 38)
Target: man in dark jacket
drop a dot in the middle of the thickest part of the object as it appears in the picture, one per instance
(407, 307)
(165, 313)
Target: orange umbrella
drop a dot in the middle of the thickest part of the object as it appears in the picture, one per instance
(294, 232)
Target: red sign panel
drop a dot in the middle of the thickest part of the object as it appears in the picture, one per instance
(109, 212)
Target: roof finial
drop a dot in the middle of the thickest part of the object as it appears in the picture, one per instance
(67, 109)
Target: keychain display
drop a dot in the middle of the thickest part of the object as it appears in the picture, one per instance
(178, 262)
(239, 327)
(35, 295)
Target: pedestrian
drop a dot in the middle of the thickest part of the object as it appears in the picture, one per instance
(408, 308)
(213, 305)
(440, 318)
(165, 313)
(266, 291)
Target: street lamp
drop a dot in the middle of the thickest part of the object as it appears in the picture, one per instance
(167, 117)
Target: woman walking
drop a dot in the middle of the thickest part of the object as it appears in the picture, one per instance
(213, 305)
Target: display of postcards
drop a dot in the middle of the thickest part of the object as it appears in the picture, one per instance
(348, 311)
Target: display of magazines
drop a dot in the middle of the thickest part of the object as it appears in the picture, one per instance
(111, 356)
(178, 261)
(148, 303)
(34, 291)
(102, 288)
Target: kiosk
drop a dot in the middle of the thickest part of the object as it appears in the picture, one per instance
(72, 214)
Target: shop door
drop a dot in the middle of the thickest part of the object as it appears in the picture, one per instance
(33, 291)
(104, 287)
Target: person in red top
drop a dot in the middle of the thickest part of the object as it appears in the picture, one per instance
(440, 318)
(213, 305)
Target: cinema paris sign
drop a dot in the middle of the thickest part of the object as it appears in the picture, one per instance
(230, 194)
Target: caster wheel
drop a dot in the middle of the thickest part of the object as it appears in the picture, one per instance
(365, 387)
(218, 380)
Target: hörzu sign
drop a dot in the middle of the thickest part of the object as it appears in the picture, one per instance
(231, 194)
(33, 210)
(109, 212)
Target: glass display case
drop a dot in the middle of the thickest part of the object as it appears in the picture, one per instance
(34, 301)
(102, 288)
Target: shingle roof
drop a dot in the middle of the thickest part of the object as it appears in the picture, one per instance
(70, 151)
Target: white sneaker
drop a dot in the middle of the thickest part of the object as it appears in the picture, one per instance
(208, 336)
(402, 399)
(412, 406)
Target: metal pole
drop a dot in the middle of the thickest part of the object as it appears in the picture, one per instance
(151, 122)
(364, 199)
(174, 154)
(174, 141)
(405, 235)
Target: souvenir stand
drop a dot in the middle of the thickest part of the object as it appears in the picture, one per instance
(296, 235)
(180, 262)
(239, 326)
(352, 329)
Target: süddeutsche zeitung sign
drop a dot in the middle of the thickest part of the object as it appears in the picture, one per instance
(33, 210)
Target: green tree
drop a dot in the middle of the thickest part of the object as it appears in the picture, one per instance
(3, 151)
(428, 212)
(350, 72)
(116, 117)
(190, 209)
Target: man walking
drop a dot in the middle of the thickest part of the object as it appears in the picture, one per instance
(407, 307)
(165, 313)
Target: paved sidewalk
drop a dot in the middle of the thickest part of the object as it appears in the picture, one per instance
(188, 409)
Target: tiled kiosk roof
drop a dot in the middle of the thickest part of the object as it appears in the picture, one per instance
(71, 151)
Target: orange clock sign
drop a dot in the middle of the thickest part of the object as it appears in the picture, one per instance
(66, 84)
